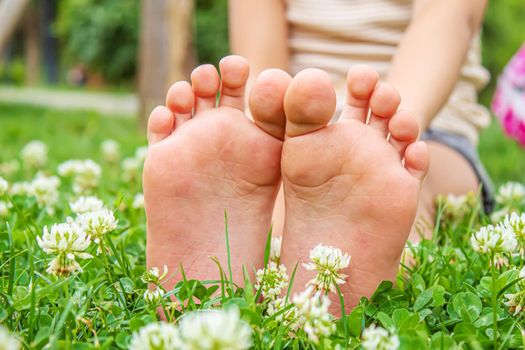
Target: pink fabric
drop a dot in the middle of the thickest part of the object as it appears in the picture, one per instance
(508, 103)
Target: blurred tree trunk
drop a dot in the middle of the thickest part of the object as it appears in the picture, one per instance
(48, 11)
(32, 45)
(166, 50)
(11, 12)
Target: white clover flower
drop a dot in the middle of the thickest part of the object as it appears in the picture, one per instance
(4, 186)
(45, 190)
(156, 336)
(141, 152)
(516, 301)
(510, 194)
(110, 151)
(457, 207)
(87, 177)
(86, 173)
(456, 203)
(8, 341)
(97, 223)
(86, 204)
(327, 261)
(9, 168)
(289, 318)
(313, 314)
(500, 214)
(20, 189)
(131, 168)
(275, 248)
(68, 168)
(34, 154)
(272, 280)
(154, 297)
(138, 201)
(215, 330)
(4, 209)
(490, 239)
(377, 338)
(66, 241)
(516, 223)
(153, 275)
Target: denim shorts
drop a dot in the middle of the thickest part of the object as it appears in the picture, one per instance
(463, 146)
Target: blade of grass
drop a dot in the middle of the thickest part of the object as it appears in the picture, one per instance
(228, 251)
(343, 312)
(32, 321)
(291, 284)
(268, 246)
(12, 263)
(221, 272)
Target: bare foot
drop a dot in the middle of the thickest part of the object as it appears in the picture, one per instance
(345, 184)
(204, 160)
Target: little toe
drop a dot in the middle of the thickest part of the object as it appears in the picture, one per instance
(267, 101)
(205, 83)
(404, 130)
(361, 82)
(160, 124)
(234, 74)
(309, 102)
(417, 159)
(180, 101)
(383, 105)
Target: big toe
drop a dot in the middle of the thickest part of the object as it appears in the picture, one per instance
(267, 101)
(309, 102)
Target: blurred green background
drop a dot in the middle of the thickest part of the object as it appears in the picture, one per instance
(104, 34)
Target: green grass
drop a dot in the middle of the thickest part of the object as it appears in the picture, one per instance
(78, 134)
(503, 157)
(448, 295)
(69, 134)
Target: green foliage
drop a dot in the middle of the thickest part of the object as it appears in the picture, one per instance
(211, 29)
(447, 295)
(14, 72)
(101, 34)
(503, 35)
(503, 157)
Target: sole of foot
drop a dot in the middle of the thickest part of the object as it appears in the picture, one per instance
(353, 184)
(205, 159)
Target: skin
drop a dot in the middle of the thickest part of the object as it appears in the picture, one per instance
(204, 160)
(362, 195)
(215, 159)
(449, 171)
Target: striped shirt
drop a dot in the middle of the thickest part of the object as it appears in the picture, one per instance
(335, 35)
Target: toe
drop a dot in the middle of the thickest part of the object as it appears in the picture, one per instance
(361, 82)
(309, 102)
(180, 101)
(160, 124)
(234, 74)
(383, 105)
(267, 101)
(205, 83)
(417, 159)
(404, 130)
